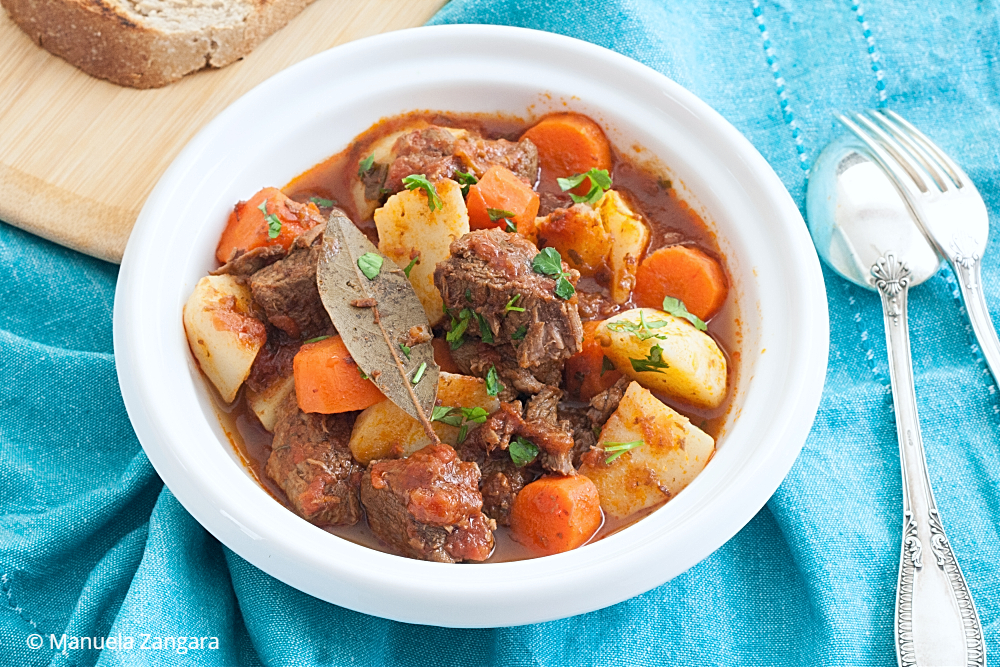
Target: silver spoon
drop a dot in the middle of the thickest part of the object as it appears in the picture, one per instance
(863, 230)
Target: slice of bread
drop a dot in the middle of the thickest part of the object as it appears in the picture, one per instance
(150, 43)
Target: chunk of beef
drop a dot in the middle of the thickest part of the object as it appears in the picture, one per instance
(311, 462)
(477, 359)
(489, 269)
(480, 154)
(596, 306)
(584, 436)
(287, 291)
(429, 151)
(605, 403)
(551, 201)
(273, 361)
(246, 263)
(373, 181)
(501, 482)
(541, 426)
(428, 506)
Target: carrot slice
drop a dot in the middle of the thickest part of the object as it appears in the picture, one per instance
(499, 189)
(249, 227)
(586, 374)
(684, 273)
(328, 380)
(555, 514)
(569, 144)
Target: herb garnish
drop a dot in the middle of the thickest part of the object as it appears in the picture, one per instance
(468, 295)
(405, 349)
(323, 203)
(642, 330)
(522, 452)
(653, 363)
(677, 308)
(619, 448)
(273, 221)
(366, 165)
(484, 329)
(548, 262)
(459, 418)
(500, 214)
(316, 339)
(465, 180)
(420, 372)
(409, 267)
(493, 384)
(458, 327)
(510, 304)
(521, 332)
(370, 265)
(364, 376)
(415, 181)
(606, 365)
(600, 180)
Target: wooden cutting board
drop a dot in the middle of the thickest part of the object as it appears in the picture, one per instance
(79, 155)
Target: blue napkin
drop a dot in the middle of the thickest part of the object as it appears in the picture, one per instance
(92, 545)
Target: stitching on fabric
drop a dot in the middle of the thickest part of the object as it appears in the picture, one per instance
(991, 386)
(873, 53)
(779, 83)
(5, 589)
(864, 336)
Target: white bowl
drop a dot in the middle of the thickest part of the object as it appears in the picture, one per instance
(311, 111)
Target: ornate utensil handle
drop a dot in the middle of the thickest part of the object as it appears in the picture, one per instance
(967, 268)
(936, 621)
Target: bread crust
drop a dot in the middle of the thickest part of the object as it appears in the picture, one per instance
(104, 42)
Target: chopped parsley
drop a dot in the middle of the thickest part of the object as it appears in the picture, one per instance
(493, 384)
(405, 349)
(548, 262)
(366, 165)
(484, 329)
(458, 327)
(521, 332)
(419, 181)
(465, 180)
(522, 452)
(616, 449)
(468, 295)
(409, 267)
(677, 308)
(459, 418)
(653, 363)
(370, 265)
(600, 180)
(323, 203)
(364, 376)
(420, 373)
(316, 339)
(511, 304)
(500, 214)
(643, 330)
(273, 221)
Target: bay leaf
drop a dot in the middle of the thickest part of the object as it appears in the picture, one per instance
(374, 333)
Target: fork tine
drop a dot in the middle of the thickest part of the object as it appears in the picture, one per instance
(902, 179)
(954, 171)
(901, 155)
(928, 161)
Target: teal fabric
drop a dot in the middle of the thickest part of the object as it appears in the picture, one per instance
(92, 545)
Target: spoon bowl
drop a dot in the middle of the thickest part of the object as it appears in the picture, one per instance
(855, 214)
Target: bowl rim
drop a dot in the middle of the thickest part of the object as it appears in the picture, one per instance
(432, 593)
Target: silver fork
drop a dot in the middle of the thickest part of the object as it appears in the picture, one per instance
(946, 205)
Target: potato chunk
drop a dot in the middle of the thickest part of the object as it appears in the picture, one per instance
(266, 402)
(672, 454)
(407, 226)
(667, 355)
(223, 335)
(629, 238)
(384, 430)
(578, 233)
